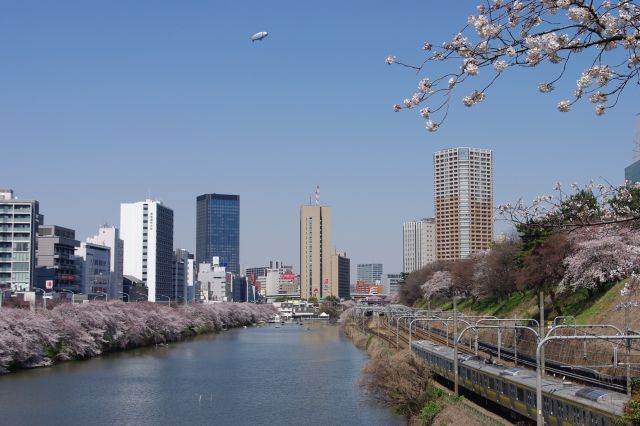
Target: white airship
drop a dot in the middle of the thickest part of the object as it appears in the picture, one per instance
(259, 36)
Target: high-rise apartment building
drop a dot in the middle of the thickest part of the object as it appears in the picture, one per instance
(340, 274)
(370, 272)
(315, 251)
(146, 227)
(218, 230)
(19, 221)
(418, 244)
(109, 235)
(463, 192)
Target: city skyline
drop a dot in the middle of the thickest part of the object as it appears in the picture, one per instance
(126, 91)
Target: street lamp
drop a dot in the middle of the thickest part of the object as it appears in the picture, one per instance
(180, 297)
(72, 294)
(104, 294)
(125, 294)
(168, 298)
(44, 298)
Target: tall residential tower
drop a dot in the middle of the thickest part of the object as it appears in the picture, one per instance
(463, 192)
(218, 230)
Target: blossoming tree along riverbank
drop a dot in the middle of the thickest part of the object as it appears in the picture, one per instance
(29, 339)
(526, 33)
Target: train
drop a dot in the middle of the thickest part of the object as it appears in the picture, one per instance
(563, 403)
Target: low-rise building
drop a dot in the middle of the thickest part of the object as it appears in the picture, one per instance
(95, 268)
(363, 287)
(212, 279)
(56, 262)
(109, 235)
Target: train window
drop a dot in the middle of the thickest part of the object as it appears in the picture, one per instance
(505, 388)
(530, 399)
(559, 409)
(491, 382)
(520, 394)
(547, 406)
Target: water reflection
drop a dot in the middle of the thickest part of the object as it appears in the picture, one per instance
(250, 376)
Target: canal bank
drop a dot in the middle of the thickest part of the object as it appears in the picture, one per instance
(69, 331)
(438, 406)
(254, 376)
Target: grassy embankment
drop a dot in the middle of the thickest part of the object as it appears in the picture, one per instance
(412, 393)
(599, 307)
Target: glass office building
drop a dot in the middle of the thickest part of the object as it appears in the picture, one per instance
(218, 230)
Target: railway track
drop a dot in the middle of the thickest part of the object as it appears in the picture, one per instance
(488, 351)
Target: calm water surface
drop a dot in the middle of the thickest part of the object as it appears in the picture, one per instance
(254, 376)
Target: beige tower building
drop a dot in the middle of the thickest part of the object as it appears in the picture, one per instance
(463, 192)
(315, 252)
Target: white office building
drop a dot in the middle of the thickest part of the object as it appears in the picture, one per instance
(146, 228)
(418, 244)
(392, 283)
(96, 269)
(192, 287)
(212, 279)
(109, 236)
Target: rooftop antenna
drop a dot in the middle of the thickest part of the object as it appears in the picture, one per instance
(317, 195)
(636, 145)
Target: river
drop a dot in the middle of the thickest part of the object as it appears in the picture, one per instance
(291, 375)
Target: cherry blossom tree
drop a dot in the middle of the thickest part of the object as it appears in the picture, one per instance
(29, 339)
(606, 257)
(595, 204)
(503, 35)
(440, 283)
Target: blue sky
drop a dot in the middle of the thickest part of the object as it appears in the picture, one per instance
(108, 102)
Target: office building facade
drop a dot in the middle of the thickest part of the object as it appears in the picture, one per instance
(370, 272)
(340, 274)
(218, 230)
(418, 244)
(212, 281)
(315, 251)
(392, 283)
(109, 235)
(146, 228)
(19, 221)
(180, 275)
(56, 261)
(96, 269)
(463, 192)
